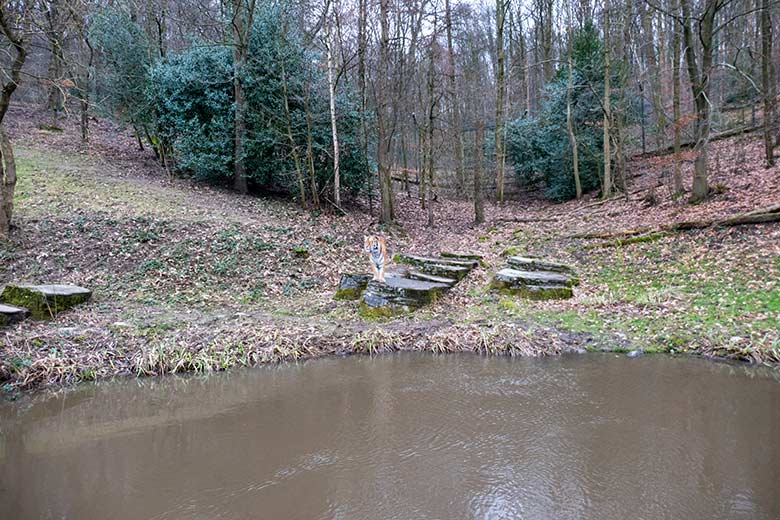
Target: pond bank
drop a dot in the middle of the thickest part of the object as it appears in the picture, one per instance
(85, 355)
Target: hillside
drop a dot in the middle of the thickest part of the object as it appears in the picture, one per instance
(192, 277)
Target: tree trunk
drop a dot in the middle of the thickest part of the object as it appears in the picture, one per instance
(498, 132)
(7, 163)
(607, 184)
(457, 138)
(54, 33)
(7, 184)
(334, 130)
(479, 210)
(430, 119)
(241, 27)
(575, 155)
(293, 145)
(700, 88)
(362, 16)
(767, 82)
(315, 192)
(384, 133)
(677, 180)
(651, 62)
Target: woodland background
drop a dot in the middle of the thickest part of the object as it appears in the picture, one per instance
(325, 100)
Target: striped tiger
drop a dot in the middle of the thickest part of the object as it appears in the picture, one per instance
(376, 248)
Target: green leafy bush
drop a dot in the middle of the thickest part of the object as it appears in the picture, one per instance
(187, 99)
(192, 94)
(539, 147)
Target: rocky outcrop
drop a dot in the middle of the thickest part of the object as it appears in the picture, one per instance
(44, 301)
(535, 279)
(419, 280)
(398, 295)
(351, 286)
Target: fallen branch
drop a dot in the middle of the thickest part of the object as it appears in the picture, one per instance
(337, 207)
(757, 216)
(611, 234)
(521, 220)
(620, 242)
(715, 137)
(401, 179)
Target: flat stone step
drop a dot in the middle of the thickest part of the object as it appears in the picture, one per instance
(398, 295)
(418, 275)
(461, 255)
(524, 263)
(10, 314)
(404, 258)
(534, 277)
(537, 285)
(44, 301)
(445, 271)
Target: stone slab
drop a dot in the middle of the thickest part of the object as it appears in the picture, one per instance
(10, 314)
(524, 263)
(44, 301)
(422, 260)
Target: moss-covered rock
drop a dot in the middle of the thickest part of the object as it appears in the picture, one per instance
(351, 286)
(10, 314)
(535, 285)
(44, 301)
(398, 295)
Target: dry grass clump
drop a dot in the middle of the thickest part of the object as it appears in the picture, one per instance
(740, 350)
(375, 340)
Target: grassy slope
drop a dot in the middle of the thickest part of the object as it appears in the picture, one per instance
(188, 277)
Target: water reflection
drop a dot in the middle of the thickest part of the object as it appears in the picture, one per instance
(406, 436)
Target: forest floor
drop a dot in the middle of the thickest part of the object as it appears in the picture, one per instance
(189, 277)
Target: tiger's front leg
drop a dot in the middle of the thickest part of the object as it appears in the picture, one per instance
(377, 274)
(382, 273)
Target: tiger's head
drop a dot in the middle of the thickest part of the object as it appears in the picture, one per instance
(373, 244)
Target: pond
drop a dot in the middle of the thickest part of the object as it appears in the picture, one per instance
(404, 436)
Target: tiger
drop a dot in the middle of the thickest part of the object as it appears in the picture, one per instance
(376, 248)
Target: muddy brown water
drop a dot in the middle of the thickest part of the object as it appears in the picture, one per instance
(404, 437)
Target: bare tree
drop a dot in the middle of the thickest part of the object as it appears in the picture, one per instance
(767, 82)
(607, 108)
(385, 117)
(678, 187)
(699, 70)
(457, 138)
(479, 139)
(575, 156)
(332, 99)
(498, 129)
(12, 26)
